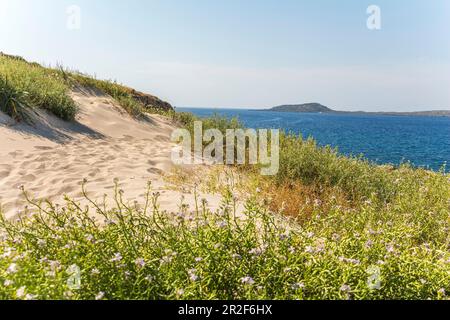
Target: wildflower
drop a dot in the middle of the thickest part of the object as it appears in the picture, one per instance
(442, 292)
(345, 288)
(256, 251)
(110, 222)
(248, 281)
(291, 250)
(192, 275)
(8, 253)
(390, 248)
(236, 256)
(100, 296)
(310, 235)
(222, 224)
(351, 261)
(258, 190)
(149, 278)
(117, 257)
(54, 265)
(140, 262)
(297, 286)
(41, 243)
(287, 270)
(284, 236)
(20, 292)
(180, 292)
(166, 259)
(90, 237)
(369, 244)
(198, 259)
(309, 249)
(335, 237)
(95, 272)
(30, 296)
(12, 268)
(8, 283)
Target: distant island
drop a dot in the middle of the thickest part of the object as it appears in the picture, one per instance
(319, 108)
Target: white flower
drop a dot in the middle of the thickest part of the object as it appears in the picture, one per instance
(54, 265)
(41, 243)
(12, 268)
(117, 257)
(441, 292)
(180, 292)
(100, 295)
(95, 272)
(166, 259)
(198, 259)
(297, 286)
(8, 283)
(390, 248)
(346, 288)
(149, 278)
(193, 276)
(309, 249)
(140, 262)
(222, 224)
(20, 292)
(248, 281)
(30, 296)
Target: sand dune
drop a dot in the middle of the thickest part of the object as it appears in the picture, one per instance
(51, 157)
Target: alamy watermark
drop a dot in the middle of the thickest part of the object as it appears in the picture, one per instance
(374, 19)
(73, 21)
(236, 146)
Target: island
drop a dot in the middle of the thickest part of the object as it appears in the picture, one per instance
(315, 107)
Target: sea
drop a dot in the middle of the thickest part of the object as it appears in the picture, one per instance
(383, 139)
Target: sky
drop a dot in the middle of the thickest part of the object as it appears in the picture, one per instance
(246, 53)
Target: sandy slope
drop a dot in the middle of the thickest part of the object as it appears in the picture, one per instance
(52, 157)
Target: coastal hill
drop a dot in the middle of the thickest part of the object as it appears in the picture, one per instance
(319, 108)
(306, 107)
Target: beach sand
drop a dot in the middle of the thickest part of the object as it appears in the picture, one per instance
(50, 158)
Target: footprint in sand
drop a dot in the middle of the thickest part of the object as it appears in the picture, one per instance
(4, 174)
(43, 148)
(154, 171)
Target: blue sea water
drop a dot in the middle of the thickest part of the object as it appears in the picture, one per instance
(422, 141)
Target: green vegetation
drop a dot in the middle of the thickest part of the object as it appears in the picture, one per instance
(33, 85)
(325, 227)
(133, 252)
(24, 84)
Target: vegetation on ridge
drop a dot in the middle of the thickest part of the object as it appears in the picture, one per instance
(33, 85)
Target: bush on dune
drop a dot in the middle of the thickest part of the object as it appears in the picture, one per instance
(40, 87)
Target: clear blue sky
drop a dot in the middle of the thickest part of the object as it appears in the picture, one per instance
(251, 53)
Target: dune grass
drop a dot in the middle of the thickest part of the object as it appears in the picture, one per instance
(49, 88)
(35, 86)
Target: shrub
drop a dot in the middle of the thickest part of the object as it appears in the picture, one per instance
(140, 252)
(42, 86)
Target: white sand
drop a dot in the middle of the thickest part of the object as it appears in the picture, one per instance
(52, 157)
